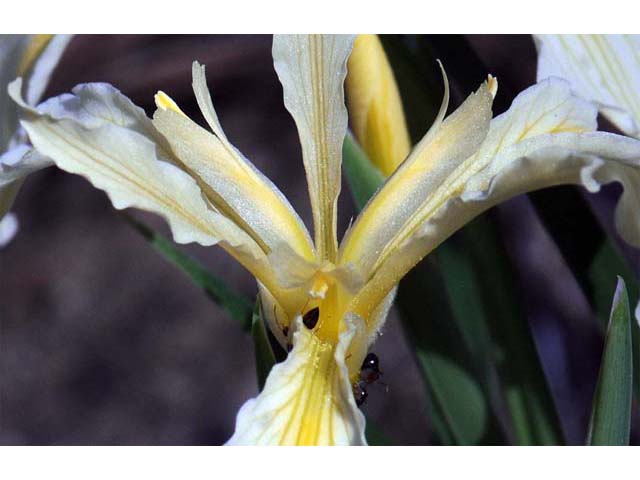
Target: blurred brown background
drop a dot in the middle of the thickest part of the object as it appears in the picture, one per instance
(102, 342)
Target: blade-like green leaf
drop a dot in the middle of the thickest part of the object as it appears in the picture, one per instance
(534, 418)
(606, 266)
(237, 306)
(362, 176)
(265, 358)
(459, 406)
(611, 412)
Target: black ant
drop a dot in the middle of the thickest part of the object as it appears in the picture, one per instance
(310, 320)
(369, 373)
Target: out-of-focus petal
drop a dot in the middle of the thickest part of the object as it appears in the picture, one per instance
(15, 165)
(32, 57)
(307, 399)
(8, 229)
(312, 69)
(601, 68)
(375, 106)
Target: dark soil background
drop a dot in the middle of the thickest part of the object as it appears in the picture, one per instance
(102, 342)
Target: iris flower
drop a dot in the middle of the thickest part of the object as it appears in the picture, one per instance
(33, 57)
(602, 68)
(327, 300)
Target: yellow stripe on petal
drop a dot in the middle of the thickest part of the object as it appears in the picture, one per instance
(307, 399)
(34, 49)
(375, 106)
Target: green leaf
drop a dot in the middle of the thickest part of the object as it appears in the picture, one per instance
(375, 436)
(459, 405)
(611, 412)
(534, 418)
(265, 357)
(606, 266)
(362, 176)
(237, 306)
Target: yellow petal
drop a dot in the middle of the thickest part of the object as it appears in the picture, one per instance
(602, 68)
(312, 69)
(307, 399)
(408, 197)
(375, 107)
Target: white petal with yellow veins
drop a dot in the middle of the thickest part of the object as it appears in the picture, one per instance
(312, 69)
(100, 134)
(307, 399)
(543, 140)
(602, 68)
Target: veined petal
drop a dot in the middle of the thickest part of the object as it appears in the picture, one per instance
(312, 69)
(544, 139)
(409, 196)
(98, 133)
(601, 68)
(307, 399)
(375, 106)
(232, 184)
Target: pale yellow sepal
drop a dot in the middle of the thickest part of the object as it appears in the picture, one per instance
(375, 107)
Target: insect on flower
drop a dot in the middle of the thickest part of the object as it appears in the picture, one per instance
(369, 373)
